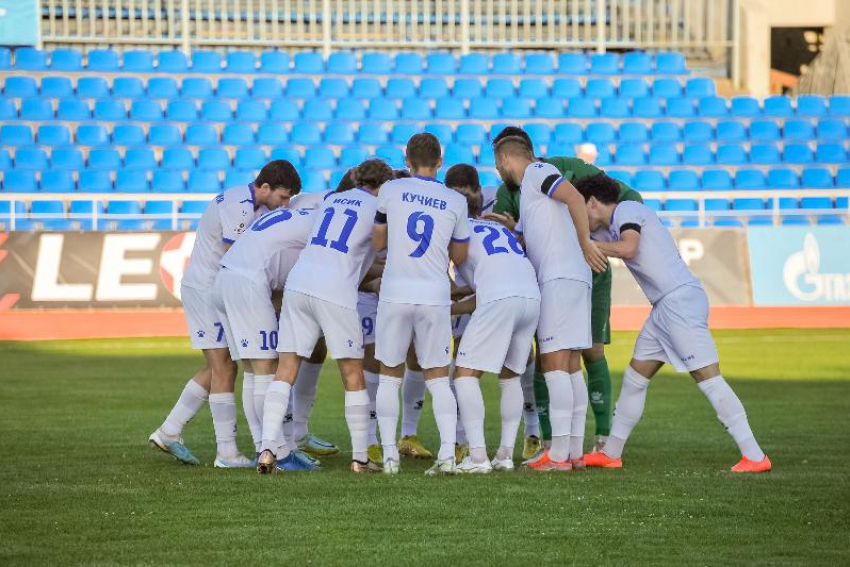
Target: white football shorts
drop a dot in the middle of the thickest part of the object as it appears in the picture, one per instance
(245, 309)
(499, 334)
(304, 318)
(428, 326)
(367, 310)
(677, 332)
(564, 316)
(205, 328)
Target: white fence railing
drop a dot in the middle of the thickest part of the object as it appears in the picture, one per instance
(703, 216)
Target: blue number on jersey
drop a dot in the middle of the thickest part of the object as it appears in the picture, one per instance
(422, 238)
(341, 243)
(493, 235)
(271, 219)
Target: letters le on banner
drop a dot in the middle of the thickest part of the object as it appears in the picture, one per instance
(800, 265)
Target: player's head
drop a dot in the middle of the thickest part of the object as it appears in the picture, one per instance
(401, 174)
(371, 174)
(276, 183)
(347, 181)
(463, 178)
(513, 131)
(513, 155)
(600, 192)
(587, 152)
(423, 153)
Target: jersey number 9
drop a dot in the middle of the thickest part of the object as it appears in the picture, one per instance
(423, 237)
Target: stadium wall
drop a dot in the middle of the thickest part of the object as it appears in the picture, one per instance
(102, 284)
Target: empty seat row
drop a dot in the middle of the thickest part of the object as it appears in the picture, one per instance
(721, 179)
(342, 62)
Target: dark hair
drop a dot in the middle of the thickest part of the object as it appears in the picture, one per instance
(278, 174)
(513, 131)
(514, 146)
(423, 150)
(462, 175)
(604, 188)
(347, 181)
(371, 174)
(401, 174)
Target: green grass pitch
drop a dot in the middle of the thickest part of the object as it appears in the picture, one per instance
(80, 485)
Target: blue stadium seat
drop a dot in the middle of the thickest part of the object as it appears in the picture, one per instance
(110, 111)
(778, 107)
(146, 111)
(599, 88)
(274, 62)
(811, 106)
(128, 87)
(172, 62)
(817, 178)
(457, 153)
(232, 89)
(797, 154)
(750, 179)
(600, 133)
(373, 63)
(435, 87)
(568, 133)
(654, 204)
(308, 63)
(486, 157)
(408, 64)
(131, 182)
(92, 181)
(402, 132)
(581, 108)
(5, 58)
(181, 111)
(633, 133)
(250, 158)
(516, 108)
(104, 60)
(30, 59)
(200, 135)
(305, 133)
(630, 154)
(745, 107)
(540, 134)
(85, 210)
(566, 88)
(831, 153)
(647, 107)
(127, 135)
(177, 159)
(764, 131)
(842, 177)
(30, 159)
(352, 156)
(637, 63)
(213, 159)
(339, 134)
(798, 130)
(56, 87)
(605, 64)
(649, 180)
(765, 154)
(164, 135)
(712, 107)
(666, 88)
(319, 158)
(317, 110)
(716, 179)
(441, 64)
(506, 64)
(203, 182)
(443, 132)
(474, 64)
(392, 155)
(19, 181)
(680, 205)
(783, 178)
(839, 105)
(342, 63)
(831, 129)
(287, 153)
(684, 180)
(614, 108)
(698, 131)
(666, 132)
(731, 154)
(284, 110)
(680, 108)
(748, 204)
(350, 109)
(664, 155)
(138, 61)
(383, 109)
(699, 88)
(313, 181)
(267, 88)
(140, 159)
(236, 177)
(8, 110)
(130, 209)
(163, 209)
(488, 108)
(533, 88)
(196, 88)
(622, 175)
(549, 108)
(206, 61)
(103, 159)
(52, 209)
(448, 108)
(272, 134)
(572, 64)
(633, 88)
(415, 109)
(93, 87)
(240, 62)
(15, 135)
(816, 203)
(539, 64)
(831, 220)
(466, 88)
(667, 63)
(731, 131)
(237, 134)
(193, 207)
(93, 135)
(333, 88)
(66, 159)
(795, 221)
(53, 135)
(366, 88)
(36, 109)
(251, 111)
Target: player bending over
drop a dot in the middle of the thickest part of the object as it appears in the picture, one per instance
(677, 329)
(223, 221)
(558, 244)
(422, 224)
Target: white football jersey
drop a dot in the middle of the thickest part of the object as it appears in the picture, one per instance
(488, 200)
(224, 220)
(269, 249)
(311, 200)
(550, 235)
(423, 216)
(339, 251)
(497, 267)
(658, 267)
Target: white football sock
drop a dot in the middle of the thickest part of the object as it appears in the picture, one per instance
(261, 386)
(445, 413)
(274, 410)
(372, 381)
(386, 406)
(511, 410)
(560, 413)
(460, 432)
(470, 405)
(287, 426)
(731, 413)
(303, 397)
(580, 399)
(223, 409)
(357, 418)
(254, 423)
(413, 395)
(529, 407)
(627, 412)
(191, 400)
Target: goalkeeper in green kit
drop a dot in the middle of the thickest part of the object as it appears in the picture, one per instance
(506, 210)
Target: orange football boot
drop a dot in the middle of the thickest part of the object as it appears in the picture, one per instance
(602, 460)
(544, 463)
(745, 465)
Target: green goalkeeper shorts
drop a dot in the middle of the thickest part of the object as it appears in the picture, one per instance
(600, 307)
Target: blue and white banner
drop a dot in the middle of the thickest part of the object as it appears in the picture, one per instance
(800, 265)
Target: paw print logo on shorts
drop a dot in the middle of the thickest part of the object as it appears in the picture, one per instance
(447, 350)
(244, 342)
(350, 344)
(201, 334)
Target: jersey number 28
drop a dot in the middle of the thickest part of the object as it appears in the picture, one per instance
(494, 235)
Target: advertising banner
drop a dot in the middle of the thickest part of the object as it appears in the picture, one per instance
(800, 265)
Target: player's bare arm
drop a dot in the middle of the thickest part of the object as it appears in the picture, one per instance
(458, 252)
(464, 306)
(379, 237)
(567, 194)
(626, 248)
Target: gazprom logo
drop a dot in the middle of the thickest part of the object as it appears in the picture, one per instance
(802, 277)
